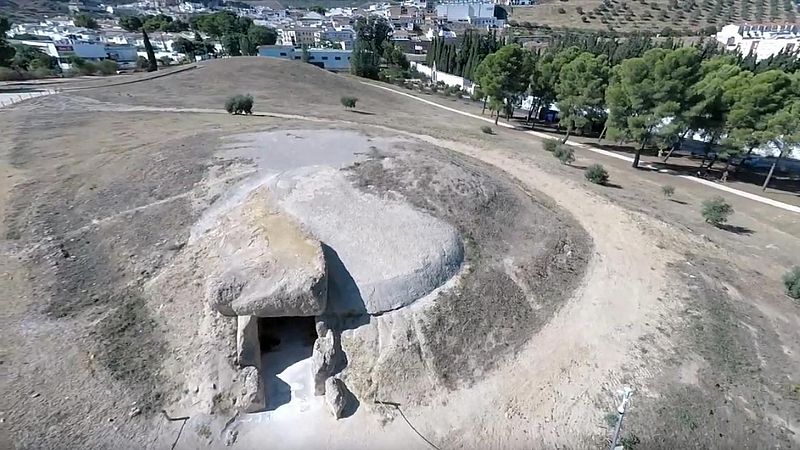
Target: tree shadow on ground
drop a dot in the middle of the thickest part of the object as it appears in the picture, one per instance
(781, 182)
(735, 229)
(612, 185)
(364, 113)
(680, 202)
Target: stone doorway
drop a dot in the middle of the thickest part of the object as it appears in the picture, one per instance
(286, 347)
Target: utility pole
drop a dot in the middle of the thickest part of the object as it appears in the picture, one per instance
(626, 396)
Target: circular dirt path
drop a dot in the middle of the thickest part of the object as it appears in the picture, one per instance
(562, 384)
(559, 387)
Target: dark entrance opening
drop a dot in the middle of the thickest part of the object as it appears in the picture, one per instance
(286, 347)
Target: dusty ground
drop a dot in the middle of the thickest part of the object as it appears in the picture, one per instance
(523, 258)
(692, 317)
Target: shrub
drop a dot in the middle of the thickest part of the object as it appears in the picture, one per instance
(87, 68)
(107, 67)
(565, 154)
(562, 11)
(8, 74)
(487, 129)
(452, 90)
(348, 102)
(550, 145)
(597, 174)
(667, 190)
(142, 63)
(791, 280)
(239, 104)
(42, 72)
(716, 211)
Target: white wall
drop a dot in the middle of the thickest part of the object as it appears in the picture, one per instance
(446, 78)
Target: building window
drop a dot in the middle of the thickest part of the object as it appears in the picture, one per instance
(338, 58)
(731, 41)
(310, 58)
(296, 57)
(283, 53)
(324, 58)
(348, 58)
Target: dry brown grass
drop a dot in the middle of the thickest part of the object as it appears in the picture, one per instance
(654, 15)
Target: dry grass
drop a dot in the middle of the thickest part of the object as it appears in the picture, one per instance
(654, 15)
(726, 330)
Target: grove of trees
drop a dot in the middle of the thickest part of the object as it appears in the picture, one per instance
(238, 35)
(463, 57)
(655, 96)
(372, 41)
(194, 47)
(19, 62)
(374, 54)
(6, 51)
(135, 23)
(504, 75)
(85, 21)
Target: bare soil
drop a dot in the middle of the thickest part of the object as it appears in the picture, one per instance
(98, 195)
(524, 256)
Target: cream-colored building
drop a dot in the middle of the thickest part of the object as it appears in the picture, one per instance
(762, 40)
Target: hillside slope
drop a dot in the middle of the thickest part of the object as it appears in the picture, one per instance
(683, 16)
(286, 87)
(100, 193)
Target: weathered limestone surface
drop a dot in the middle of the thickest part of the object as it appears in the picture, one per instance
(263, 263)
(382, 254)
(252, 397)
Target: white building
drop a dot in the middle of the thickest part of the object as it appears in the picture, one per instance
(192, 8)
(515, 2)
(762, 40)
(431, 33)
(476, 13)
(335, 60)
(64, 50)
(341, 36)
(299, 36)
(339, 12)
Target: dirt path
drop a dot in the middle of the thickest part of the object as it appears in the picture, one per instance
(565, 380)
(561, 385)
(559, 388)
(740, 193)
(554, 389)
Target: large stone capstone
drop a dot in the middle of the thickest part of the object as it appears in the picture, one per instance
(382, 254)
(261, 262)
